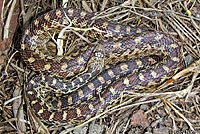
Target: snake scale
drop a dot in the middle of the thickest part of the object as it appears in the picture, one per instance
(120, 59)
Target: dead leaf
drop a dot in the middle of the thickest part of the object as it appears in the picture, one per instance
(139, 119)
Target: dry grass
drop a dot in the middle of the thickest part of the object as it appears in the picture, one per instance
(172, 106)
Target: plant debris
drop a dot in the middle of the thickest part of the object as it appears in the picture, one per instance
(173, 107)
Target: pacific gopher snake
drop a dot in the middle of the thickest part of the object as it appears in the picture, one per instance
(105, 69)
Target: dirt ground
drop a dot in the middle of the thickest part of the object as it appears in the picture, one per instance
(172, 108)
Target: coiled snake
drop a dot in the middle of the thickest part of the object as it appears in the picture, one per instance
(119, 59)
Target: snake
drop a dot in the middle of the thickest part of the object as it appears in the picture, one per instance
(74, 87)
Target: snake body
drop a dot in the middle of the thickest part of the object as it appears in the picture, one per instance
(122, 59)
